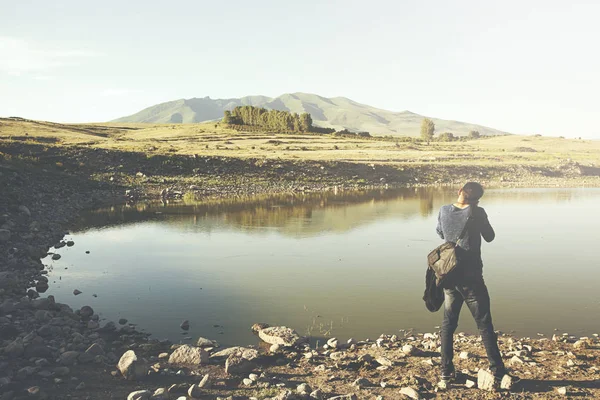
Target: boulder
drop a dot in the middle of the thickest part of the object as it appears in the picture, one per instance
(69, 357)
(281, 335)
(86, 312)
(236, 364)
(203, 342)
(189, 355)
(132, 367)
(486, 381)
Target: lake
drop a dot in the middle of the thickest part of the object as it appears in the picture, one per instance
(346, 264)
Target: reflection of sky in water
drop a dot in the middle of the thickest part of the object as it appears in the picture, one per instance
(356, 267)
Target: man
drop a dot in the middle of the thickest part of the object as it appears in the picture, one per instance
(467, 285)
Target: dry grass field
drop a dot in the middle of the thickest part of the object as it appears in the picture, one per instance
(214, 140)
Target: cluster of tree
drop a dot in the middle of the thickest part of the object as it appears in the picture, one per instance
(276, 120)
(346, 132)
(428, 129)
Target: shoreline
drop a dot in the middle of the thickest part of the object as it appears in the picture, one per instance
(48, 346)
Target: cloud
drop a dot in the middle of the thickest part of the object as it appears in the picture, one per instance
(21, 57)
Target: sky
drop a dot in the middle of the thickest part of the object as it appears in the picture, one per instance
(524, 66)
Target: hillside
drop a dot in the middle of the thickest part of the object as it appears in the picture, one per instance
(336, 112)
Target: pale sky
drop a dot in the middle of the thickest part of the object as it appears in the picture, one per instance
(524, 66)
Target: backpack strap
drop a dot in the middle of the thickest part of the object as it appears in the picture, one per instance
(464, 230)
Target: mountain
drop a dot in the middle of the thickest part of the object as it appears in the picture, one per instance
(337, 112)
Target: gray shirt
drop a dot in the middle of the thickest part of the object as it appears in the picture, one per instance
(451, 221)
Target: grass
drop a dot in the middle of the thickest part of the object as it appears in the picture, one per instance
(208, 140)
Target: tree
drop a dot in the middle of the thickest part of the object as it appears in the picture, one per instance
(474, 135)
(446, 137)
(427, 129)
(227, 119)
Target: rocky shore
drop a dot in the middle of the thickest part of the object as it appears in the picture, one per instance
(50, 351)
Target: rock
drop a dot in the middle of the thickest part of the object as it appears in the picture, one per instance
(33, 391)
(132, 367)
(122, 321)
(56, 256)
(185, 325)
(333, 343)
(139, 395)
(95, 350)
(70, 243)
(303, 389)
(581, 344)
(160, 394)
(69, 357)
(24, 211)
(280, 335)
(4, 235)
(317, 394)
(384, 361)
(410, 350)
(515, 361)
(562, 390)
(15, 349)
(38, 351)
(189, 355)
(77, 292)
(410, 393)
(205, 383)
(236, 364)
(361, 383)
(194, 392)
(259, 327)
(7, 280)
(469, 383)
(465, 355)
(109, 327)
(81, 386)
(86, 312)
(351, 396)
(47, 303)
(486, 381)
(506, 383)
(247, 353)
(41, 286)
(275, 348)
(365, 358)
(203, 342)
(247, 381)
(62, 371)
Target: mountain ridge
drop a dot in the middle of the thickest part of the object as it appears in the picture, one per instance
(335, 112)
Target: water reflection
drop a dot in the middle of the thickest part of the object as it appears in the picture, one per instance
(346, 263)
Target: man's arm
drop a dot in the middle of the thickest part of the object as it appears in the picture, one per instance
(439, 226)
(486, 228)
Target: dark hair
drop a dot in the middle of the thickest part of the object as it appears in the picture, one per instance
(472, 192)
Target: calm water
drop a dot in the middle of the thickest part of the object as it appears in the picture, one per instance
(346, 264)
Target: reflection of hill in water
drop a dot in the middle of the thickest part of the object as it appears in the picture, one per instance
(305, 214)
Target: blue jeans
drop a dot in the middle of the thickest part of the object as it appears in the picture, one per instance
(475, 294)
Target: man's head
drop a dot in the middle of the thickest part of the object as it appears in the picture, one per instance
(470, 193)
